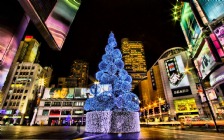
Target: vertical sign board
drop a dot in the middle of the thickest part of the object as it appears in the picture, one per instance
(178, 80)
(153, 79)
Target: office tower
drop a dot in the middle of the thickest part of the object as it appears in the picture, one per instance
(80, 71)
(134, 60)
(20, 98)
(29, 51)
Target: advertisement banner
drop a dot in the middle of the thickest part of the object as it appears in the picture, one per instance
(205, 61)
(219, 32)
(69, 93)
(185, 105)
(61, 93)
(178, 80)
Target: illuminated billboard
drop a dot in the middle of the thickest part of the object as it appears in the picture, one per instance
(216, 43)
(205, 61)
(54, 26)
(190, 27)
(185, 105)
(213, 9)
(11, 34)
(219, 32)
(178, 80)
(61, 93)
(71, 93)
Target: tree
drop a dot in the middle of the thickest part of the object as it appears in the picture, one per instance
(112, 72)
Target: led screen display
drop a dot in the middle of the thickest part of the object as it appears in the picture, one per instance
(189, 26)
(8, 50)
(219, 32)
(9, 42)
(60, 19)
(73, 92)
(178, 80)
(61, 93)
(205, 61)
(53, 24)
(217, 44)
(212, 8)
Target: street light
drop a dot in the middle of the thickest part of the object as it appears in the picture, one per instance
(160, 110)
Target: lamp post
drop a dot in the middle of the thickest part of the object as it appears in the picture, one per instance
(160, 110)
(207, 101)
(209, 106)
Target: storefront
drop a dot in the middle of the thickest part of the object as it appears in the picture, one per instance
(186, 108)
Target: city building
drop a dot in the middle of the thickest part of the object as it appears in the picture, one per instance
(202, 23)
(28, 51)
(66, 82)
(62, 106)
(167, 98)
(42, 13)
(134, 60)
(80, 72)
(25, 87)
(180, 87)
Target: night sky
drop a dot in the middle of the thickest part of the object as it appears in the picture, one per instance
(149, 21)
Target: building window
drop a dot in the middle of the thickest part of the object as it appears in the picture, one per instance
(78, 112)
(47, 104)
(24, 97)
(7, 96)
(66, 112)
(5, 104)
(45, 112)
(67, 103)
(31, 73)
(55, 112)
(56, 104)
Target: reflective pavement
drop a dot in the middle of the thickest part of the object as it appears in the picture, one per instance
(70, 132)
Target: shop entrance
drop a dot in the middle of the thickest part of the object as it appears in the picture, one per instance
(53, 121)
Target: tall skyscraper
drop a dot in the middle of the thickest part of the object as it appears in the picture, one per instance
(134, 60)
(80, 71)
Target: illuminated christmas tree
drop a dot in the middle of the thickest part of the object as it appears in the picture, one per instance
(112, 72)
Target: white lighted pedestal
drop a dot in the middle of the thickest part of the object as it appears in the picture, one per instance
(112, 122)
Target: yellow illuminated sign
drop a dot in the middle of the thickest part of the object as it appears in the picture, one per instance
(185, 105)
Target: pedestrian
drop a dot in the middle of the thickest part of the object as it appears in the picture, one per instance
(78, 126)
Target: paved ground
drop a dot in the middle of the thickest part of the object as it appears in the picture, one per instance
(40, 132)
(70, 132)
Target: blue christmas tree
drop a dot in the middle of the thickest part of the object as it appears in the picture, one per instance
(111, 71)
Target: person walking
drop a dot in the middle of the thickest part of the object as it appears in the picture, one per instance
(78, 126)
